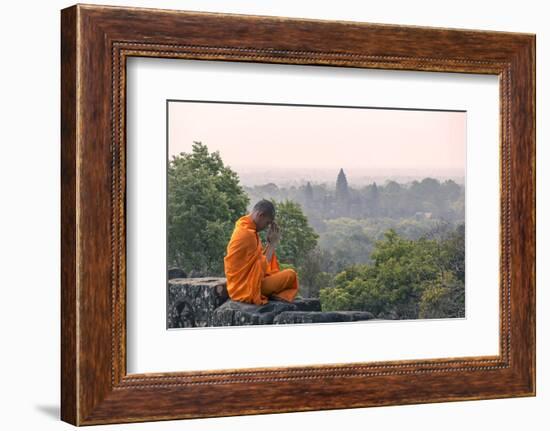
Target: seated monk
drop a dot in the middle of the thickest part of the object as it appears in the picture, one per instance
(252, 271)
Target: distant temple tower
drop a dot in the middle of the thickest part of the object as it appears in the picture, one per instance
(308, 193)
(342, 191)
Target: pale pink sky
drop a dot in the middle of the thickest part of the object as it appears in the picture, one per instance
(268, 136)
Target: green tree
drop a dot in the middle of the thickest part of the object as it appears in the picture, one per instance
(312, 276)
(445, 296)
(297, 237)
(204, 201)
(442, 297)
(408, 278)
(401, 268)
(453, 252)
(347, 241)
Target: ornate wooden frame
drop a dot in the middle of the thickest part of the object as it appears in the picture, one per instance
(95, 43)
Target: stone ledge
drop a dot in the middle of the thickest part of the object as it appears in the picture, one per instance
(234, 313)
(321, 316)
(204, 302)
(191, 301)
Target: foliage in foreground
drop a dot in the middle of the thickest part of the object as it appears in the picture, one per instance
(410, 279)
(204, 201)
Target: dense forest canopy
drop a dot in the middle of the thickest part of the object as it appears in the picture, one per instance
(393, 249)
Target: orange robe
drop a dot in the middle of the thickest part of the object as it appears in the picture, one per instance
(246, 267)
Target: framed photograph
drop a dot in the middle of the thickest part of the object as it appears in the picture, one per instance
(333, 214)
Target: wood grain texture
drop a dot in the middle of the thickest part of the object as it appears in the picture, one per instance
(69, 365)
(95, 43)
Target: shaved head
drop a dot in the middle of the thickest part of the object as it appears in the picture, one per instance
(265, 207)
(263, 214)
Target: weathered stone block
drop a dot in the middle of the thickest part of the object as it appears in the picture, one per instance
(307, 304)
(235, 313)
(191, 301)
(321, 316)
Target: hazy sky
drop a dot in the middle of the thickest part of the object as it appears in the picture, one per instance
(289, 137)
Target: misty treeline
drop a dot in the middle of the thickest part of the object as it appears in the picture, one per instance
(428, 198)
(392, 249)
